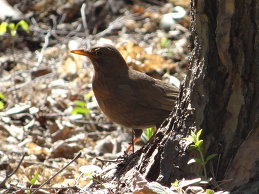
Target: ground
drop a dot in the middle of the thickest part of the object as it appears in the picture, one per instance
(49, 112)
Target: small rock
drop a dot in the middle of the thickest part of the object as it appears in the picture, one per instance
(8, 11)
(104, 146)
(178, 12)
(167, 22)
(65, 150)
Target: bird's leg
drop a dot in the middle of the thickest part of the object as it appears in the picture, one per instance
(131, 143)
(136, 134)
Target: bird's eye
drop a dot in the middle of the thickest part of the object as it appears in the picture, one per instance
(98, 53)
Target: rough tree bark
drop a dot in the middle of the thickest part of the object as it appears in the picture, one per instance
(220, 95)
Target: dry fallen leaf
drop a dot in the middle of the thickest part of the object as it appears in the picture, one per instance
(140, 60)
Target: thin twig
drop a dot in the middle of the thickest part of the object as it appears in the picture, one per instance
(102, 160)
(2, 184)
(58, 32)
(68, 187)
(114, 161)
(114, 25)
(82, 10)
(45, 45)
(47, 181)
(29, 82)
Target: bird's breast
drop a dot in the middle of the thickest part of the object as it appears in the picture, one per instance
(113, 101)
(105, 92)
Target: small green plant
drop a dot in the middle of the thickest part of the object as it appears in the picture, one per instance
(197, 145)
(88, 95)
(33, 181)
(175, 183)
(2, 101)
(147, 134)
(165, 43)
(34, 178)
(209, 191)
(93, 173)
(80, 108)
(12, 27)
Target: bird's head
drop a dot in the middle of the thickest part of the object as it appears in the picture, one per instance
(104, 58)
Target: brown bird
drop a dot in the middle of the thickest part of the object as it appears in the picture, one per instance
(128, 97)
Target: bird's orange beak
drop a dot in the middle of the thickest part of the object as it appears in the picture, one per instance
(81, 52)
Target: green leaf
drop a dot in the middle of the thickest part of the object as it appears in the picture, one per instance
(199, 143)
(199, 134)
(148, 133)
(89, 175)
(88, 95)
(24, 25)
(79, 103)
(209, 157)
(198, 160)
(35, 178)
(175, 183)
(102, 186)
(12, 29)
(1, 105)
(2, 97)
(193, 147)
(193, 135)
(209, 191)
(3, 28)
(164, 42)
(80, 110)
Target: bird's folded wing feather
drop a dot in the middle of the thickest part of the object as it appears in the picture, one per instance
(154, 93)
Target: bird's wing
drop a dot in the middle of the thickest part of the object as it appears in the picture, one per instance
(150, 92)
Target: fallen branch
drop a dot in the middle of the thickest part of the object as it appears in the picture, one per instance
(47, 181)
(2, 184)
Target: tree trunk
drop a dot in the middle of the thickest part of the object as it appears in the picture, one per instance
(219, 95)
